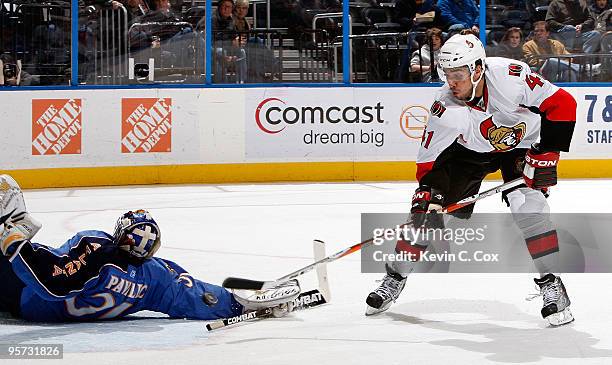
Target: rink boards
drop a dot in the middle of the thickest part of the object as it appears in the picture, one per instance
(60, 138)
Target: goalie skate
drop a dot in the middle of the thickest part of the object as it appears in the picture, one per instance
(381, 299)
(556, 301)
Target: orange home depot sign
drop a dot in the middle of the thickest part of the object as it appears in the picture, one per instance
(146, 125)
(56, 126)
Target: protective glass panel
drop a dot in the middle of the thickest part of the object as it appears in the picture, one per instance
(580, 52)
(34, 43)
(141, 42)
(273, 41)
(399, 41)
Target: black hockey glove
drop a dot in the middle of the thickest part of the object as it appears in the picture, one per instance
(426, 204)
(540, 171)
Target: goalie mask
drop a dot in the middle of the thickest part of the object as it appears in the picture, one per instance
(137, 233)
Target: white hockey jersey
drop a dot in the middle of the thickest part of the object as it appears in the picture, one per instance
(517, 108)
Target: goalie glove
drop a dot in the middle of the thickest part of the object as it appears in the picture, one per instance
(279, 299)
(540, 171)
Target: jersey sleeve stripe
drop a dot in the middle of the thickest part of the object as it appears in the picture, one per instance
(423, 168)
(559, 107)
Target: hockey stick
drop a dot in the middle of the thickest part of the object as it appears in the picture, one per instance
(239, 283)
(318, 248)
(310, 299)
(224, 322)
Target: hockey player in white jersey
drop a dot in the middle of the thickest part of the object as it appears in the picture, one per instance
(491, 114)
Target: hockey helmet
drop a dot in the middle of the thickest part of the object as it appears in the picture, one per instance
(137, 233)
(459, 51)
(462, 50)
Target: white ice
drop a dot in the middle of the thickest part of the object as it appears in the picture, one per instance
(265, 231)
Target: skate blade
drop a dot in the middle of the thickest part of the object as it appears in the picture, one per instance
(371, 311)
(561, 318)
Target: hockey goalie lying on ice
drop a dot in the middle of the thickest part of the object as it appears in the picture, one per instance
(96, 276)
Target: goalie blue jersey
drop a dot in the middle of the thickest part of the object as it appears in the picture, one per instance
(89, 278)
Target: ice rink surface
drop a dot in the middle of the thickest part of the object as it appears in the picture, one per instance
(266, 231)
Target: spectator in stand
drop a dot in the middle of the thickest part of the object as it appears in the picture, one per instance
(160, 12)
(511, 45)
(13, 75)
(553, 69)
(602, 12)
(408, 13)
(229, 56)
(457, 15)
(603, 24)
(241, 9)
(260, 63)
(571, 21)
(421, 60)
(162, 35)
(222, 19)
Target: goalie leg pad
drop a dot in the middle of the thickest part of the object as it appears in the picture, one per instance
(28, 225)
(13, 209)
(11, 238)
(11, 199)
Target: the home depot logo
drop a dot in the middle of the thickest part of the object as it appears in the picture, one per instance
(56, 126)
(146, 125)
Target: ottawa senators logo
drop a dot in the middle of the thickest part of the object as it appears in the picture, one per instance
(502, 138)
(514, 69)
(437, 109)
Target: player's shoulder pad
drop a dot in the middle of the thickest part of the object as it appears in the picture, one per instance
(506, 70)
(168, 265)
(445, 104)
(100, 237)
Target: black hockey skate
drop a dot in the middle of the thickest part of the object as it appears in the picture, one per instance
(381, 299)
(556, 302)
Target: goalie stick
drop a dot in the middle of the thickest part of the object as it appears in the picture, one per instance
(310, 299)
(240, 283)
(224, 322)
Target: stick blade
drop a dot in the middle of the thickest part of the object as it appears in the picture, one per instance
(240, 283)
(318, 247)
